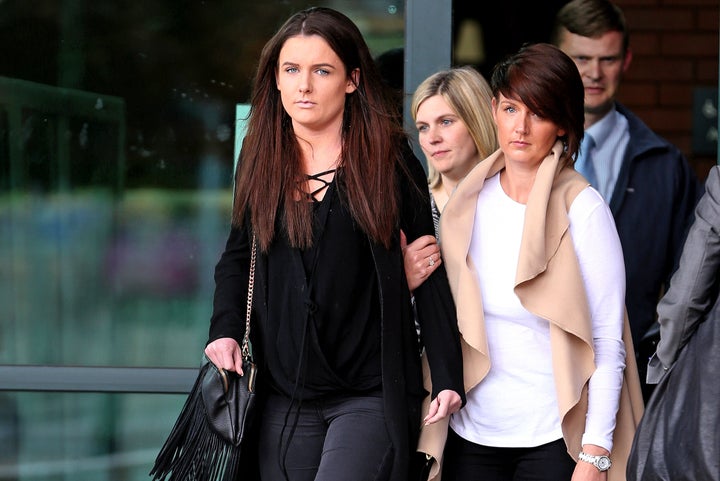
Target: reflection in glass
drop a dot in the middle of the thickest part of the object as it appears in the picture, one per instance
(117, 132)
(116, 155)
(82, 437)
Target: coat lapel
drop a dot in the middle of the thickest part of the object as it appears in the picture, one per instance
(456, 226)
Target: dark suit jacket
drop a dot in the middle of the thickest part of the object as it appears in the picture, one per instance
(652, 204)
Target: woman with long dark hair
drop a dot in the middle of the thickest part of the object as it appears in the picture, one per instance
(325, 183)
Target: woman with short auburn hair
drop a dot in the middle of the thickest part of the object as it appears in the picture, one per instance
(536, 270)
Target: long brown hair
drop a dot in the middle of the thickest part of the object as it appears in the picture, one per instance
(270, 165)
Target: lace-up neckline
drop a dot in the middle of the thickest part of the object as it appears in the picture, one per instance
(319, 178)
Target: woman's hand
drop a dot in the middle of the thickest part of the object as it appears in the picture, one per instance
(446, 403)
(586, 471)
(421, 258)
(225, 354)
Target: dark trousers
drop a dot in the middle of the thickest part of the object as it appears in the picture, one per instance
(467, 461)
(343, 438)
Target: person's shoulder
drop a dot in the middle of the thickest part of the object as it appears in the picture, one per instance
(645, 140)
(634, 122)
(410, 172)
(569, 183)
(589, 207)
(573, 186)
(588, 199)
(712, 183)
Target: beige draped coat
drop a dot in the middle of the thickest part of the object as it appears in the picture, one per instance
(548, 283)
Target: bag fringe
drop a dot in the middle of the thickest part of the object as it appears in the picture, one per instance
(193, 451)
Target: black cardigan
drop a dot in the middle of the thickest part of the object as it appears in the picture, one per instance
(402, 385)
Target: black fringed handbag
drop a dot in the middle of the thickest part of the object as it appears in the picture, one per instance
(205, 442)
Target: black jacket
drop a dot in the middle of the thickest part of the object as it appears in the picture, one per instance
(402, 384)
(653, 203)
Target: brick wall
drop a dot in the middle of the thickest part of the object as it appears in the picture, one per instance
(675, 50)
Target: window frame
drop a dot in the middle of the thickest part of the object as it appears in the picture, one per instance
(424, 54)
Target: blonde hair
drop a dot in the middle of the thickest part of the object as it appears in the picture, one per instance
(466, 92)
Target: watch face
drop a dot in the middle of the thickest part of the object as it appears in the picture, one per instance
(603, 463)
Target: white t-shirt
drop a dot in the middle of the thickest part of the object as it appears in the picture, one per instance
(515, 405)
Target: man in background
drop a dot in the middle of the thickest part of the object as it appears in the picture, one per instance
(648, 183)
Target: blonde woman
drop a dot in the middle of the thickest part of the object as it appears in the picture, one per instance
(453, 116)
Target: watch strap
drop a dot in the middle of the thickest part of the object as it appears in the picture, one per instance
(601, 462)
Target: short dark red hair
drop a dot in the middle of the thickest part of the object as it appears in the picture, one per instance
(546, 80)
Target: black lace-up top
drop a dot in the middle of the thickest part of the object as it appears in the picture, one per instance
(323, 332)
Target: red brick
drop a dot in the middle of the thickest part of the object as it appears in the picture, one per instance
(641, 94)
(666, 120)
(689, 3)
(675, 45)
(631, 3)
(645, 43)
(681, 141)
(708, 19)
(707, 71)
(686, 44)
(659, 18)
(660, 69)
(676, 95)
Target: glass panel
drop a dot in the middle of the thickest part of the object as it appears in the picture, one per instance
(82, 437)
(117, 133)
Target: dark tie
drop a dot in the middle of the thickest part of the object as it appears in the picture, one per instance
(584, 163)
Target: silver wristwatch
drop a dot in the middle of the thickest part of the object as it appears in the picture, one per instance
(603, 463)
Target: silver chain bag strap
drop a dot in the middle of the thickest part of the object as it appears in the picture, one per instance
(205, 442)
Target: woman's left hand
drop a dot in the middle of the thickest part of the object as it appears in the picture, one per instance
(446, 403)
(586, 471)
(421, 257)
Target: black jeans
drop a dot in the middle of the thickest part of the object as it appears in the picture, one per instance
(343, 438)
(467, 461)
